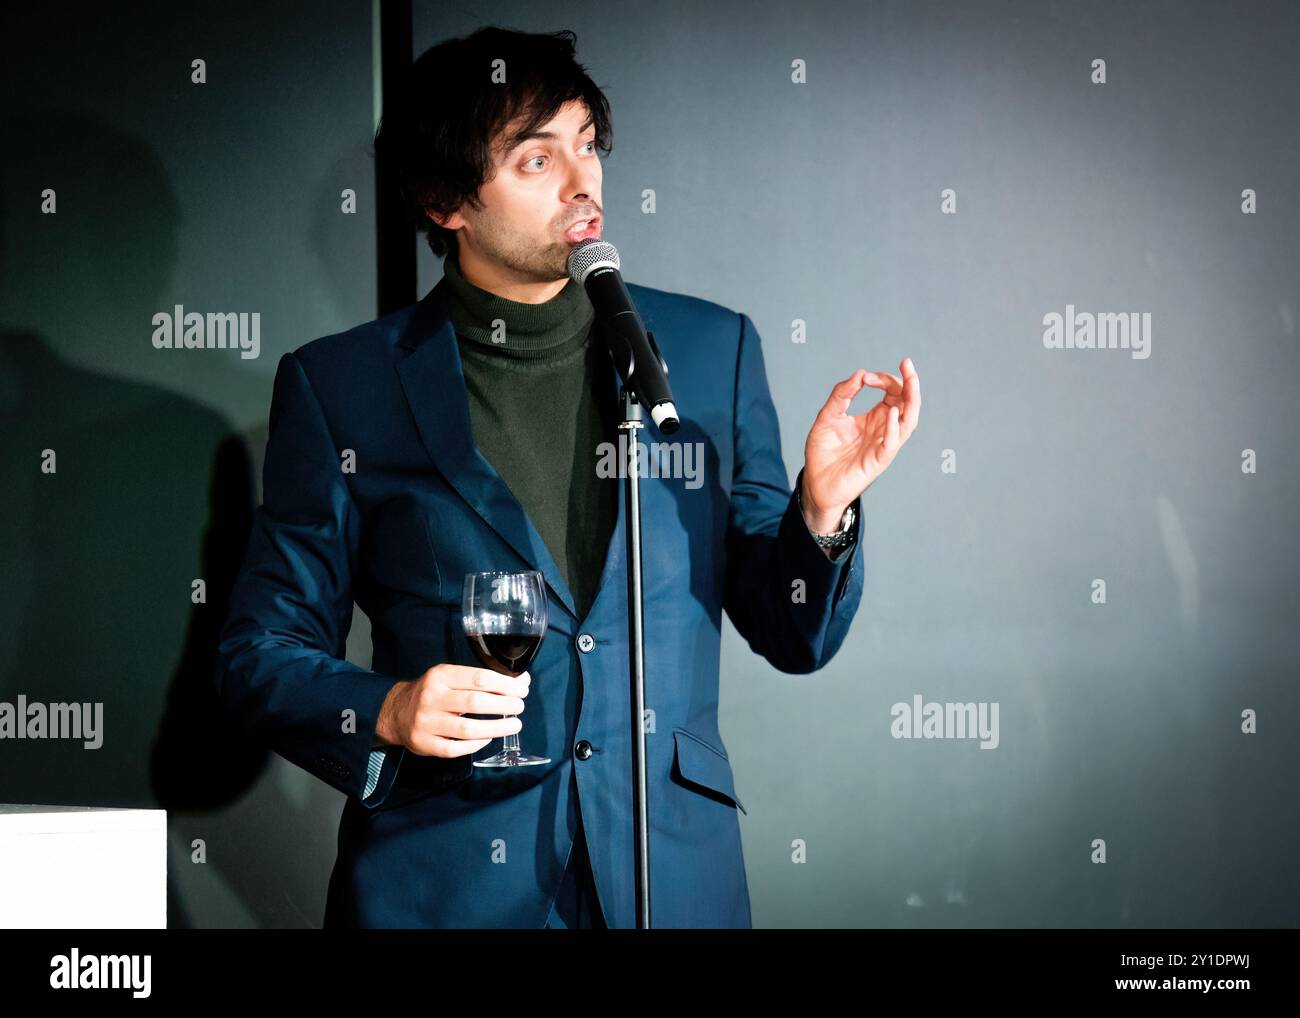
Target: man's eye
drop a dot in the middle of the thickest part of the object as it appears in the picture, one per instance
(591, 144)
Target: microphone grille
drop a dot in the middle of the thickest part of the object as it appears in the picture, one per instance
(587, 255)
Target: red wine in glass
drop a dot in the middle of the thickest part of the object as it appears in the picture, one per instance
(508, 653)
(504, 617)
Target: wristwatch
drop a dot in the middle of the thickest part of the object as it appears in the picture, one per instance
(838, 539)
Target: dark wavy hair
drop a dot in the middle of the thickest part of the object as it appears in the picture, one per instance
(439, 133)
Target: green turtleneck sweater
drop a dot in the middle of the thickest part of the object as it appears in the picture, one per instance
(541, 399)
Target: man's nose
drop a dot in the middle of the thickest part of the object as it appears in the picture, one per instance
(584, 184)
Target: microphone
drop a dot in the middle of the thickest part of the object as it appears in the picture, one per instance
(594, 265)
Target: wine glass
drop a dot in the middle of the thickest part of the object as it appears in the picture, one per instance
(504, 616)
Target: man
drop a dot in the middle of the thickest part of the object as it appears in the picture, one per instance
(463, 434)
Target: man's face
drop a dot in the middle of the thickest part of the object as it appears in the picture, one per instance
(535, 193)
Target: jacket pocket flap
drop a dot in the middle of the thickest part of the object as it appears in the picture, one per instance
(701, 764)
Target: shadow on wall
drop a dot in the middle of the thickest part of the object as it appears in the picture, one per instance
(151, 490)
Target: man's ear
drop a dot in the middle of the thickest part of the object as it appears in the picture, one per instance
(447, 220)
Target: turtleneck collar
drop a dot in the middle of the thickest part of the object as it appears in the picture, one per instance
(533, 332)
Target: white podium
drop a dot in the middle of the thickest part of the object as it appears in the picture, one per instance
(82, 867)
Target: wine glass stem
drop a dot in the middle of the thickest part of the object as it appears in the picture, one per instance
(511, 741)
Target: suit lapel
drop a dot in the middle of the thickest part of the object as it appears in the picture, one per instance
(433, 382)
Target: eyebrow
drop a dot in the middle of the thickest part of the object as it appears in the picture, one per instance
(550, 135)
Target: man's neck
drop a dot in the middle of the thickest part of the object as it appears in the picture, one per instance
(489, 276)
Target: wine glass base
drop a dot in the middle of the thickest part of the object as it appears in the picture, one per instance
(511, 758)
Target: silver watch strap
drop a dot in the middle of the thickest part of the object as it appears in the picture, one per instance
(836, 539)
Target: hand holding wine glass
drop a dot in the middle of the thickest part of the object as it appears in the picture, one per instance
(505, 615)
(424, 714)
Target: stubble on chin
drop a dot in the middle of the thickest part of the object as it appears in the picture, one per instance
(525, 257)
(548, 263)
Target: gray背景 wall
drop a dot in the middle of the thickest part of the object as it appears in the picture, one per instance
(221, 196)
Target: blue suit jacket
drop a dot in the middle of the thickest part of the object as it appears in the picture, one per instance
(440, 843)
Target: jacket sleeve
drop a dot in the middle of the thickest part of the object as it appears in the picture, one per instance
(791, 603)
(279, 671)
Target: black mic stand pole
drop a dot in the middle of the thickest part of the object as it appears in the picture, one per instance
(636, 656)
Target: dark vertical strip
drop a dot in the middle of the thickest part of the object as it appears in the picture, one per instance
(395, 240)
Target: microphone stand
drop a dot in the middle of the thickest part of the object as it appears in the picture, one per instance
(632, 424)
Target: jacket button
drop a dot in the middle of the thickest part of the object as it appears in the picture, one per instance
(582, 750)
(586, 642)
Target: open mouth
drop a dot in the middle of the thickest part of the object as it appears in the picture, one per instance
(583, 230)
